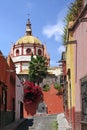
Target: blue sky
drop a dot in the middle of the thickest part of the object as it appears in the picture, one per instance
(47, 20)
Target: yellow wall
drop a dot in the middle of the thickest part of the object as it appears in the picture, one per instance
(70, 64)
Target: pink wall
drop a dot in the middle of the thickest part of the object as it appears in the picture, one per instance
(80, 35)
(80, 63)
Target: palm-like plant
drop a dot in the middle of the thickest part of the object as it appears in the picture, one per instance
(73, 12)
(37, 69)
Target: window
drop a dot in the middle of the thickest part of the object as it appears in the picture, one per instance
(69, 73)
(17, 52)
(12, 79)
(28, 51)
(4, 98)
(84, 100)
(39, 52)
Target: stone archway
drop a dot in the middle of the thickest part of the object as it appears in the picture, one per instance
(41, 108)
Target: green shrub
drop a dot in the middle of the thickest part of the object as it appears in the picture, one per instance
(46, 87)
(57, 86)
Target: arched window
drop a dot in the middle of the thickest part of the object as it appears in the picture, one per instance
(28, 51)
(39, 52)
(17, 52)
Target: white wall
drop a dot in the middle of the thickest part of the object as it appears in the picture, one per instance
(25, 66)
(55, 70)
(19, 97)
(17, 68)
(21, 58)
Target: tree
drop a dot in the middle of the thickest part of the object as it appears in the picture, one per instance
(37, 69)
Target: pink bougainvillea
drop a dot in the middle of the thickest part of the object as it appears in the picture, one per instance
(32, 93)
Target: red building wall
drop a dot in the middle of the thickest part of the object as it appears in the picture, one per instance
(53, 101)
(7, 79)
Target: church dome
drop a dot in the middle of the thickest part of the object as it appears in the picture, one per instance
(28, 39)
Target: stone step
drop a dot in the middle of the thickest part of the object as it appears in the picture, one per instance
(43, 122)
(31, 128)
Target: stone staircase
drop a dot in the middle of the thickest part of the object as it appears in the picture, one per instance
(43, 123)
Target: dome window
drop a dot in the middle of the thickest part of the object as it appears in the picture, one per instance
(17, 52)
(28, 51)
(39, 52)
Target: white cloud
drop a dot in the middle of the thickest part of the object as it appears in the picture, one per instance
(53, 30)
(61, 49)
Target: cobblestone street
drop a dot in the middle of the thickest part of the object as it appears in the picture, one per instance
(41, 122)
(49, 123)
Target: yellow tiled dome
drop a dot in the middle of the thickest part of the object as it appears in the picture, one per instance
(28, 39)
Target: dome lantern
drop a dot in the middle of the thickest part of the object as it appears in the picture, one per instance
(28, 38)
(28, 28)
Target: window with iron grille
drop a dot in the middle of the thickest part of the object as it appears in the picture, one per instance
(84, 99)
